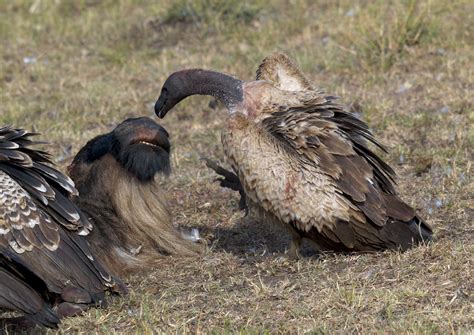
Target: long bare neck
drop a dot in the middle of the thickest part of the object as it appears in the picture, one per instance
(185, 83)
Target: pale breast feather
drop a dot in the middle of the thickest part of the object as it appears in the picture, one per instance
(272, 178)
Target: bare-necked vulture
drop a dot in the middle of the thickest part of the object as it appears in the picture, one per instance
(44, 257)
(303, 160)
(117, 178)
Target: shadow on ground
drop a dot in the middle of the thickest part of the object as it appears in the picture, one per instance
(250, 237)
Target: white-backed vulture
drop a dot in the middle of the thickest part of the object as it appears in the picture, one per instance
(44, 258)
(303, 160)
(117, 177)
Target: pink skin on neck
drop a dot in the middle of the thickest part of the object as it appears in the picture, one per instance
(254, 97)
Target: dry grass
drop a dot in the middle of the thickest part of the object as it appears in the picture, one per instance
(72, 70)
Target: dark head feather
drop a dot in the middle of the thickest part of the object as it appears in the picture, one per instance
(140, 145)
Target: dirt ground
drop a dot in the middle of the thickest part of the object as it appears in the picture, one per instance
(72, 70)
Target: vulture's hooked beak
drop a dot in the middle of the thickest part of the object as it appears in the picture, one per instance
(160, 110)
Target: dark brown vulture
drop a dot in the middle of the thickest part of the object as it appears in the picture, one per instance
(44, 257)
(303, 160)
(117, 175)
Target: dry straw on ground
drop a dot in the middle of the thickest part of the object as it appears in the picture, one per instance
(72, 70)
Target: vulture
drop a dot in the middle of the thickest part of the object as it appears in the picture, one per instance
(118, 178)
(303, 161)
(47, 268)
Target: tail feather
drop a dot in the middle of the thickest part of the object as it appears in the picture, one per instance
(404, 235)
(46, 317)
(418, 226)
(404, 227)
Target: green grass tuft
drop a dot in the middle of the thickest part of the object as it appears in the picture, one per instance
(384, 32)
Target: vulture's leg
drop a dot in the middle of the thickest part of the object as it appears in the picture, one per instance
(229, 180)
(295, 244)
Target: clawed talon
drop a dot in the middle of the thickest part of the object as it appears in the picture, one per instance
(66, 309)
(229, 180)
(76, 295)
(75, 300)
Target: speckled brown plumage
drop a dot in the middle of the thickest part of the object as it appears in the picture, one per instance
(305, 162)
(41, 245)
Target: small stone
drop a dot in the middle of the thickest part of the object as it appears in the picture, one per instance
(29, 60)
(205, 205)
(404, 87)
(351, 12)
(401, 159)
(444, 110)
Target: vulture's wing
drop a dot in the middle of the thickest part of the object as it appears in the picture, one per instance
(324, 133)
(336, 142)
(39, 224)
(280, 70)
(30, 236)
(18, 294)
(48, 188)
(23, 225)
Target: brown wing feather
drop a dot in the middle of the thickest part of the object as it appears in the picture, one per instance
(21, 219)
(329, 141)
(55, 256)
(39, 224)
(17, 295)
(48, 187)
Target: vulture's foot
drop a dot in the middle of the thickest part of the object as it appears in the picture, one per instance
(66, 309)
(229, 180)
(295, 246)
(76, 295)
(75, 300)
